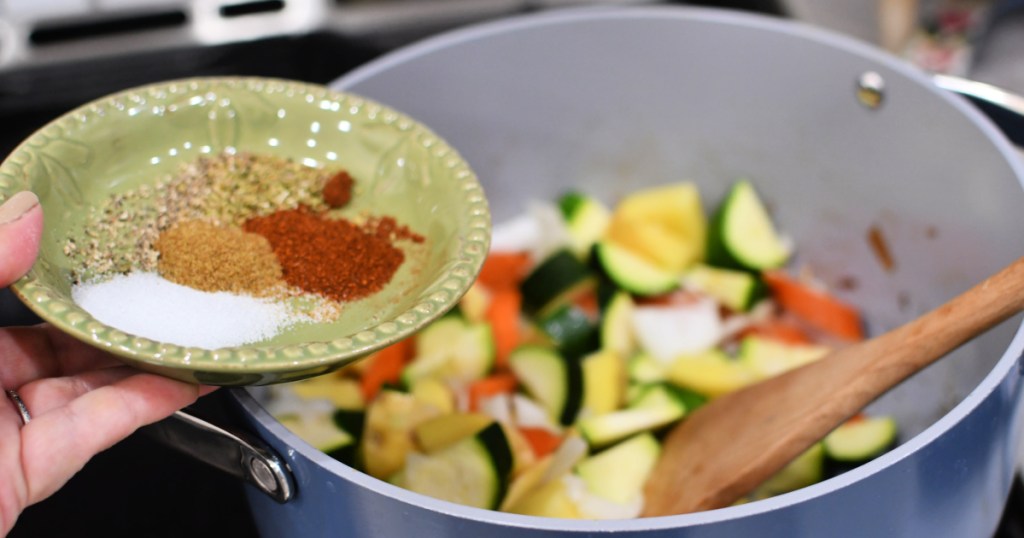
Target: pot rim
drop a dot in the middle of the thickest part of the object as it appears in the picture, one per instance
(798, 30)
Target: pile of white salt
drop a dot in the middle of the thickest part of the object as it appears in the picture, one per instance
(144, 304)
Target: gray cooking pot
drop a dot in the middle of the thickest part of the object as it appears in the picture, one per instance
(609, 100)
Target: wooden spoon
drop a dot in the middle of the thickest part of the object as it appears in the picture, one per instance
(728, 447)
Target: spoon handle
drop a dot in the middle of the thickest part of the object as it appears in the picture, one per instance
(734, 443)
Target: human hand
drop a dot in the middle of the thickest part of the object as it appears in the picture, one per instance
(81, 400)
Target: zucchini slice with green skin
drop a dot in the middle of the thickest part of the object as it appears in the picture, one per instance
(632, 272)
(618, 473)
(452, 348)
(474, 471)
(647, 395)
(551, 379)
(318, 430)
(656, 408)
(742, 235)
(808, 468)
(586, 218)
(556, 281)
(572, 331)
(861, 439)
(767, 357)
(738, 290)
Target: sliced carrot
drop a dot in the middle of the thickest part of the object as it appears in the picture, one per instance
(542, 441)
(385, 366)
(503, 315)
(782, 331)
(500, 383)
(819, 309)
(503, 270)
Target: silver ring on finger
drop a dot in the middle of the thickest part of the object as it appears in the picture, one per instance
(19, 404)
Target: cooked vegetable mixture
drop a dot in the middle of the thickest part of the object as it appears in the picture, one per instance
(589, 333)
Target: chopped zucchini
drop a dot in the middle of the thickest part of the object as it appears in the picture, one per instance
(343, 392)
(647, 395)
(738, 290)
(473, 305)
(474, 471)
(712, 373)
(557, 280)
(604, 382)
(318, 430)
(643, 368)
(445, 430)
(618, 473)
(742, 234)
(806, 469)
(452, 348)
(549, 499)
(617, 333)
(767, 357)
(387, 437)
(352, 421)
(657, 408)
(634, 273)
(861, 439)
(553, 380)
(571, 330)
(586, 219)
(433, 391)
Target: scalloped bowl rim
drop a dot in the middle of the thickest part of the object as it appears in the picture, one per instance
(282, 358)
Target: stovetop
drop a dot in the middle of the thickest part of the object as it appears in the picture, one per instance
(140, 487)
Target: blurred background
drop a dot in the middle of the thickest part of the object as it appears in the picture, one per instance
(58, 54)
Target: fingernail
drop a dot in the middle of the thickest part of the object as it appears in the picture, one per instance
(17, 205)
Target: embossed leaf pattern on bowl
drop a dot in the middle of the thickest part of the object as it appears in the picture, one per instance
(140, 136)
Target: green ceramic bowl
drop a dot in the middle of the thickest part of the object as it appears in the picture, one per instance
(135, 137)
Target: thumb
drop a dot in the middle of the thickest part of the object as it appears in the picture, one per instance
(21, 226)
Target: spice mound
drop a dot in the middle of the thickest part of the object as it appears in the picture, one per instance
(233, 227)
(207, 257)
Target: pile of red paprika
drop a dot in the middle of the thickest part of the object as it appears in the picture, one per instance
(334, 257)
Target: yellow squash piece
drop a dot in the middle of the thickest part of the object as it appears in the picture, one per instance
(664, 224)
(551, 499)
(767, 357)
(604, 382)
(343, 392)
(434, 392)
(387, 437)
(445, 430)
(711, 374)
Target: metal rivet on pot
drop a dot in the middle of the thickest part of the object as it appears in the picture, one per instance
(263, 474)
(870, 89)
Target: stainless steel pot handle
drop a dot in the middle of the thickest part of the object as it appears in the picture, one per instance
(1002, 107)
(236, 453)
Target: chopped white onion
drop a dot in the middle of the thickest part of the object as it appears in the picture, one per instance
(498, 407)
(530, 414)
(666, 332)
(572, 450)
